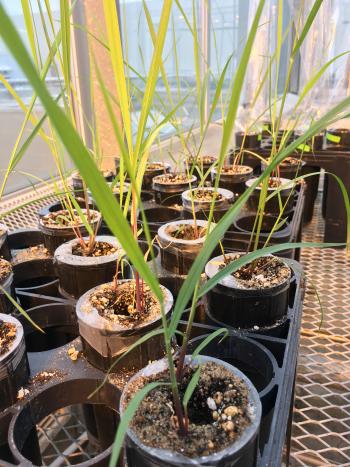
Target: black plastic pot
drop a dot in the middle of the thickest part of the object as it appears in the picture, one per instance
(234, 182)
(25, 238)
(23, 439)
(243, 453)
(58, 206)
(245, 308)
(5, 251)
(157, 216)
(202, 164)
(77, 182)
(55, 236)
(57, 320)
(289, 171)
(178, 255)
(272, 206)
(105, 341)
(338, 137)
(78, 274)
(311, 145)
(202, 208)
(14, 370)
(7, 285)
(150, 174)
(249, 356)
(248, 140)
(35, 282)
(169, 194)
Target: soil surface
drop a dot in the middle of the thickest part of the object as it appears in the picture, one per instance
(202, 160)
(274, 182)
(62, 219)
(5, 269)
(236, 169)
(186, 231)
(33, 252)
(100, 249)
(172, 179)
(291, 161)
(154, 166)
(262, 273)
(203, 195)
(218, 412)
(7, 336)
(119, 306)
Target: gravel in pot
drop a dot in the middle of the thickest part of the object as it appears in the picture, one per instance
(224, 414)
(5, 251)
(169, 187)
(233, 178)
(153, 169)
(180, 242)
(6, 282)
(254, 296)
(109, 323)
(202, 164)
(284, 197)
(201, 199)
(13, 360)
(79, 269)
(58, 227)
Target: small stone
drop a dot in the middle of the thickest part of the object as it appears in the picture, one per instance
(211, 403)
(71, 350)
(223, 417)
(218, 398)
(256, 328)
(73, 353)
(228, 426)
(215, 415)
(231, 411)
(21, 393)
(210, 445)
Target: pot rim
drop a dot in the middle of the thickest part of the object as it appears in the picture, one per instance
(226, 194)
(89, 315)
(165, 165)
(172, 456)
(168, 240)
(231, 282)
(15, 344)
(155, 180)
(44, 227)
(63, 254)
(286, 184)
(248, 172)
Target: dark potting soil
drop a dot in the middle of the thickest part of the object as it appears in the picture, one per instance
(63, 218)
(262, 273)
(119, 305)
(100, 249)
(5, 269)
(172, 179)
(203, 195)
(7, 336)
(236, 169)
(218, 412)
(186, 231)
(33, 252)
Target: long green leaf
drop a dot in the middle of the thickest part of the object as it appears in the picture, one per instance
(107, 203)
(126, 419)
